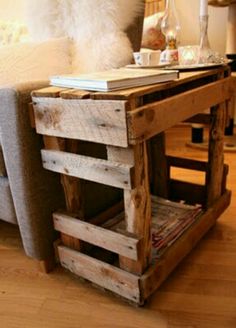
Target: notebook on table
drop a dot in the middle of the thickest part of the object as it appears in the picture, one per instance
(114, 79)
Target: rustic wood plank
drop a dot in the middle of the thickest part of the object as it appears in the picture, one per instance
(51, 92)
(95, 235)
(216, 153)
(75, 94)
(199, 118)
(187, 191)
(184, 78)
(138, 210)
(93, 169)
(108, 214)
(71, 186)
(47, 265)
(120, 155)
(100, 273)
(159, 271)
(85, 119)
(224, 180)
(31, 115)
(159, 166)
(147, 121)
(187, 163)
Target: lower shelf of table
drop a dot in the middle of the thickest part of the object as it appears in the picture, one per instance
(138, 288)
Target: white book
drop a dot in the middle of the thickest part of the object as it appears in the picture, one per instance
(114, 79)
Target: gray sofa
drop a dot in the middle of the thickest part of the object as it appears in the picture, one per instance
(28, 193)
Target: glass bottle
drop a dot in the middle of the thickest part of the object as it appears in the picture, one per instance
(205, 51)
(170, 28)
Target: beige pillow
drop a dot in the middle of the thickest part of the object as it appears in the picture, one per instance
(33, 61)
(12, 32)
(152, 36)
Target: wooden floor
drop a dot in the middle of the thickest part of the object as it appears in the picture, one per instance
(200, 293)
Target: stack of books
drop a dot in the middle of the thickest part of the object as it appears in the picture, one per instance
(114, 79)
(169, 221)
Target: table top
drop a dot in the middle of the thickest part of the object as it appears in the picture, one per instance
(130, 116)
(185, 78)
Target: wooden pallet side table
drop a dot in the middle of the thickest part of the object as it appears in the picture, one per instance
(114, 249)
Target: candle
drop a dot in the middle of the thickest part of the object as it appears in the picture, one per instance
(188, 55)
(203, 7)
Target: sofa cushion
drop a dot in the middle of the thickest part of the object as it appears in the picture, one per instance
(12, 32)
(34, 61)
(7, 210)
(2, 164)
(153, 37)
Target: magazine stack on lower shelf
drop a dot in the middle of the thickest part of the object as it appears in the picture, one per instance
(169, 221)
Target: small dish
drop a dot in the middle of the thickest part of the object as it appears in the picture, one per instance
(196, 67)
(148, 66)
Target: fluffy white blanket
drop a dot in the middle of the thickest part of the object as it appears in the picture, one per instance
(96, 26)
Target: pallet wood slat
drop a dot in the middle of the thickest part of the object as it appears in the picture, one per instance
(107, 239)
(153, 278)
(199, 118)
(109, 213)
(159, 166)
(126, 94)
(138, 210)
(72, 187)
(84, 119)
(186, 163)
(31, 115)
(93, 169)
(51, 92)
(146, 121)
(131, 123)
(182, 190)
(137, 203)
(75, 94)
(103, 274)
(216, 153)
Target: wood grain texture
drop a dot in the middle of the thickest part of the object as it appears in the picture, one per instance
(51, 92)
(84, 119)
(216, 153)
(31, 115)
(137, 203)
(159, 166)
(201, 292)
(93, 169)
(154, 6)
(71, 186)
(95, 235)
(105, 275)
(75, 94)
(146, 121)
(184, 78)
(138, 210)
(159, 272)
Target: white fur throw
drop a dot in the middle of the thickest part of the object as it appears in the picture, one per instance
(96, 26)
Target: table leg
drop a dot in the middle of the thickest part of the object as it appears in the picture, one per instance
(159, 168)
(137, 204)
(216, 154)
(71, 187)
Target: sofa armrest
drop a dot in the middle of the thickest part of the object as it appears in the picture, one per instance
(35, 191)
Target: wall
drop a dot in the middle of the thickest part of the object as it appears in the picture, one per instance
(189, 15)
(12, 10)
